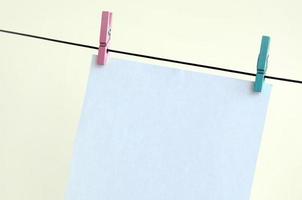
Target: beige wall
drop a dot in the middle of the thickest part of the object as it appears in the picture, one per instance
(42, 84)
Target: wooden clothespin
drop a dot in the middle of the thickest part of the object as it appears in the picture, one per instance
(262, 63)
(105, 35)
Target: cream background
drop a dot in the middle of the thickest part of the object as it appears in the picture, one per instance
(42, 83)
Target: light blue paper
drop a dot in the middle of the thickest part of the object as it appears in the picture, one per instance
(155, 133)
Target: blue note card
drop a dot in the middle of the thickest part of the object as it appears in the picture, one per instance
(150, 132)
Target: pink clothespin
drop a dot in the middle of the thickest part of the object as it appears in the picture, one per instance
(104, 37)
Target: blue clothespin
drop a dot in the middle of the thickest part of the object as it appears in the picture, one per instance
(262, 63)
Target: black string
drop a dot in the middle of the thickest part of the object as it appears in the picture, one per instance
(182, 62)
(150, 57)
(49, 39)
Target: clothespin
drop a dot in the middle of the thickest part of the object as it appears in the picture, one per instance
(105, 35)
(262, 63)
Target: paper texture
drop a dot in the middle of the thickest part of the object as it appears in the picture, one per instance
(155, 133)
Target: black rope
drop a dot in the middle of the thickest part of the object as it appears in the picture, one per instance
(49, 39)
(150, 57)
(182, 62)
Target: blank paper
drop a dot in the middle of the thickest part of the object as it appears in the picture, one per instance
(150, 132)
